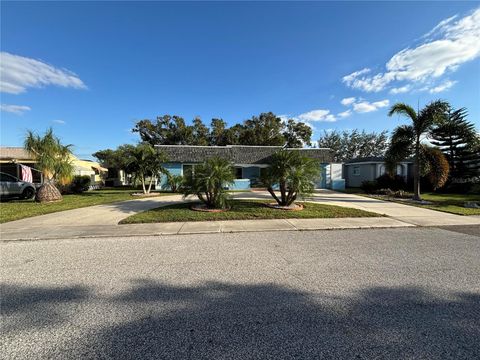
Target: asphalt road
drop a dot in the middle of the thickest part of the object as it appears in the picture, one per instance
(409, 293)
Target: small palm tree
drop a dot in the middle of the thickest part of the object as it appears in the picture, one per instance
(208, 182)
(174, 182)
(406, 139)
(54, 161)
(293, 174)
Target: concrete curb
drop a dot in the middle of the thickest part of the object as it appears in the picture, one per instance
(206, 227)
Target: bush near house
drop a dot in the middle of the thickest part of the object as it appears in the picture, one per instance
(174, 182)
(208, 182)
(294, 176)
(79, 184)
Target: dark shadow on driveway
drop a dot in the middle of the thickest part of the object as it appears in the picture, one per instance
(224, 321)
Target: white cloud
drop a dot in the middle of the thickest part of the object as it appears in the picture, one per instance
(14, 109)
(345, 114)
(442, 87)
(17, 73)
(449, 45)
(59, 122)
(347, 101)
(365, 106)
(317, 115)
(400, 90)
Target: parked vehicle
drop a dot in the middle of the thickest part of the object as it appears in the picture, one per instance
(12, 187)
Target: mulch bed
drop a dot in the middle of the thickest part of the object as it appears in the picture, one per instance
(293, 207)
(204, 208)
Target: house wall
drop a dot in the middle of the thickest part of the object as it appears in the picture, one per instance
(174, 169)
(367, 173)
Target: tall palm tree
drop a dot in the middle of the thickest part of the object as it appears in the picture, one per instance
(53, 159)
(406, 139)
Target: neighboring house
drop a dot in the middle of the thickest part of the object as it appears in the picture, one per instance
(249, 162)
(11, 157)
(90, 168)
(359, 170)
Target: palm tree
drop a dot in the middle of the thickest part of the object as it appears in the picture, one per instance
(145, 161)
(54, 161)
(174, 182)
(293, 174)
(406, 139)
(208, 181)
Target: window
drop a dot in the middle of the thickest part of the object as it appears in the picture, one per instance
(356, 170)
(238, 173)
(7, 178)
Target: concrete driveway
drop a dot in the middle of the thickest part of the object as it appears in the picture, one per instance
(406, 213)
(410, 293)
(102, 220)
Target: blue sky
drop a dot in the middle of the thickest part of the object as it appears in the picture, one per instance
(90, 70)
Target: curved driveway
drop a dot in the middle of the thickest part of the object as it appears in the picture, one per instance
(103, 219)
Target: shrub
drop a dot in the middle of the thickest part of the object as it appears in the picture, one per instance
(80, 183)
(174, 182)
(208, 182)
(394, 183)
(369, 186)
(295, 175)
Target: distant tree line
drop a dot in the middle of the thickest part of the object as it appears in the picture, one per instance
(350, 144)
(265, 129)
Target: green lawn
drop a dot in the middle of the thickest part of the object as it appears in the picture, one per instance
(19, 209)
(451, 203)
(243, 210)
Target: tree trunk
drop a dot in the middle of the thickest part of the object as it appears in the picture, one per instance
(270, 190)
(150, 185)
(143, 185)
(416, 171)
(48, 192)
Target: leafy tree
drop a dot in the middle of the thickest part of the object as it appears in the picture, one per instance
(166, 130)
(265, 129)
(115, 159)
(457, 139)
(297, 134)
(200, 133)
(208, 181)
(406, 139)
(53, 159)
(218, 136)
(146, 162)
(347, 145)
(295, 175)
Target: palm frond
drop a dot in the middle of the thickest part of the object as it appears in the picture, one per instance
(403, 109)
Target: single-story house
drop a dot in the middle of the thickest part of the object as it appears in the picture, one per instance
(12, 156)
(248, 162)
(359, 170)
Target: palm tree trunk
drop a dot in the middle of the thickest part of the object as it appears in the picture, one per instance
(143, 184)
(416, 171)
(150, 185)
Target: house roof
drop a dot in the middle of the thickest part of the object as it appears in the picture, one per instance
(14, 153)
(371, 159)
(238, 154)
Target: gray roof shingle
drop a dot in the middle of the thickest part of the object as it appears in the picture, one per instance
(238, 154)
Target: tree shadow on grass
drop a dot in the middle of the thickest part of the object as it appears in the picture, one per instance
(225, 321)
